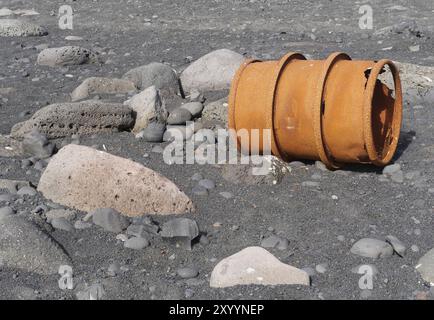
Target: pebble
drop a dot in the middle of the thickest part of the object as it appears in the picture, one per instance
(62, 224)
(226, 195)
(195, 108)
(274, 241)
(183, 230)
(157, 149)
(397, 177)
(321, 268)
(207, 184)
(37, 145)
(199, 190)
(372, 248)
(26, 190)
(414, 248)
(189, 293)
(187, 273)
(114, 269)
(6, 211)
(398, 246)
(154, 132)
(60, 213)
(321, 166)
(110, 220)
(136, 243)
(179, 116)
(392, 168)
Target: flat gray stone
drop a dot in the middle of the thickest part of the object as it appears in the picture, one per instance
(136, 243)
(110, 220)
(372, 248)
(425, 267)
(187, 272)
(195, 108)
(62, 223)
(398, 246)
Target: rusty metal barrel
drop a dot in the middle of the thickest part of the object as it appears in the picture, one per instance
(334, 110)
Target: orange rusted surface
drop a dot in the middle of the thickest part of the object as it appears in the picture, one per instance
(334, 110)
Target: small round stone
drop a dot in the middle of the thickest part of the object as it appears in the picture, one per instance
(226, 195)
(136, 243)
(187, 273)
(207, 184)
(179, 116)
(200, 191)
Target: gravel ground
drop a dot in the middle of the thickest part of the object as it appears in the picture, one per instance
(321, 223)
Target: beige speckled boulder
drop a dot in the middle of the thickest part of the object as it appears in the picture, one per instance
(255, 265)
(87, 179)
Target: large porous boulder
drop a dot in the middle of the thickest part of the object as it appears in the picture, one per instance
(425, 267)
(24, 246)
(255, 265)
(213, 71)
(87, 117)
(216, 111)
(149, 107)
(88, 179)
(68, 55)
(100, 85)
(20, 28)
(154, 74)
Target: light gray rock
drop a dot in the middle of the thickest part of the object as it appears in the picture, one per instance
(27, 191)
(148, 107)
(110, 220)
(81, 225)
(154, 74)
(6, 211)
(37, 145)
(24, 246)
(178, 132)
(136, 243)
(195, 108)
(321, 268)
(425, 267)
(187, 272)
(12, 186)
(255, 265)
(60, 213)
(182, 230)
(216, 111)
(81, 118)
(137, 230)
(398, 246)
(372, 248)
(214, 71)
(62, 224)
(199, 190)
(20, 28)
(207, 184)
(397, 176)
(100, 85)
(179, 116)
(68, 55)
(274, 241)
(86, 179)
(154, 132)
(392, 168)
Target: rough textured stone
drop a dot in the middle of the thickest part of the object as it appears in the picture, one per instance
(255, 265)
(216, 111)
(425, 267)
(19, 28)
(24, 246)
(88, 179)
(148, 107)
(372, 248)
(68, 55)
(100, 85)
(154, 74)
(81, 118)
(136, 243)
(213, 71)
